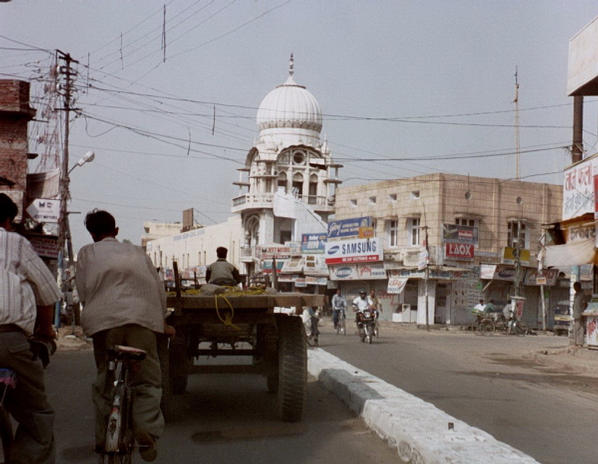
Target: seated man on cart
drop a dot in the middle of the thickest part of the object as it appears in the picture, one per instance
(221, 272)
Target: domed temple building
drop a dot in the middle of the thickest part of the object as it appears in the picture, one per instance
(288, 183)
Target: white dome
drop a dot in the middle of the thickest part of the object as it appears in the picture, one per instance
(289, 105)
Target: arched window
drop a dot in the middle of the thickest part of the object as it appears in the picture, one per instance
(282, 182)
(298, 184)
(313, 189)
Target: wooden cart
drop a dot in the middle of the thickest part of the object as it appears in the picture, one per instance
(242, 325)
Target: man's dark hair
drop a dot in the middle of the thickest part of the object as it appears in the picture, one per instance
(100, 223)
(8, 208)
(221, 252)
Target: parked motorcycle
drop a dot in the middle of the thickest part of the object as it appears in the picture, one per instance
(366, 325)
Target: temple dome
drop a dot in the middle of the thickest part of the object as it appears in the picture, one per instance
(289, 105)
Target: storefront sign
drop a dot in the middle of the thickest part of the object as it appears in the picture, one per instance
(313, 243)
(579, 233)
(45, 246)
(300, 282)
(456, 233)
(348, 227)
(315, 265)
(510, 256)
(459, 251)
(278, 252)
(366, 232)
(311, 280)
(293, 265)
(578, 190)
(357, 250)
(373, 271)
(487, 271)
(544, 277)
(42, 210)
(396, 284)
(267, 266)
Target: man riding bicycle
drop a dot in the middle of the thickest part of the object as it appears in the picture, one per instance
(124, 304)
(339, 306)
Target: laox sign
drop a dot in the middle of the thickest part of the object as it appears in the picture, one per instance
(461, 251)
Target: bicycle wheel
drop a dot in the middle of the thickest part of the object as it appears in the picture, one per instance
(343, 325)
(486, 326)
(520, 328)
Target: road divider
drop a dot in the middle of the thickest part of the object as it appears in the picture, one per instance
(419, 431)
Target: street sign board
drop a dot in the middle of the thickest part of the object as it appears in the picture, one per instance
(313, 243)
(44, 210)
(355, 250)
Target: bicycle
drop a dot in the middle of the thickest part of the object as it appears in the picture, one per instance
(120, 440)
(341, 324)
(8, 379)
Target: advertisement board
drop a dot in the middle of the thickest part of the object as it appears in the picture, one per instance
(44, 210)
(373, 271)
(315, 265)
(356, 250)
(396, 284)
(274, 251)
(313, 243)
(345, 228)
(578, 189)
(455, 233)
(510, 256)
(45, 246)
(459, 251)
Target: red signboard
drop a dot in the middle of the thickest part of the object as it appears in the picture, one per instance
(459, 251)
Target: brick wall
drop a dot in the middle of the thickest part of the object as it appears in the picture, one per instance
(14, 115)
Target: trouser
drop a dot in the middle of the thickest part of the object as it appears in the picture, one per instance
(27, 403)
(146, 380)
(577, 333)
(335, 316)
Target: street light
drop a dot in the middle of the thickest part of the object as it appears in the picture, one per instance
(88, 158)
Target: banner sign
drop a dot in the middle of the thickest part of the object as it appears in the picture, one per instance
(42, 210)
(46, 246)
(578, 190)
(315, 265)
(356, 250)
(267, 266)
(459, 251)
(312, 280)
(293, 265)
(348, 227)
(456, 233)
(278, 252)
(510, 256)
(396, 284)
(313, 243)
(487, 271)
(373, 271)
(545, 277)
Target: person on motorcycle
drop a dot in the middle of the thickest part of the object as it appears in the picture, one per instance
(339, 304)
(360, 304)
(375, 306)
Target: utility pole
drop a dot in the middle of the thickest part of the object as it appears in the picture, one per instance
(426, 278)
(517, 147)
(63, 222)
(577, 147)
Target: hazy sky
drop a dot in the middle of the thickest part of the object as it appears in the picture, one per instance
(394, 79)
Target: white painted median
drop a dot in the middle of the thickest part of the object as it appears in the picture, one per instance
(421, 433)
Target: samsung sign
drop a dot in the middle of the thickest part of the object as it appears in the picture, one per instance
(357, 250)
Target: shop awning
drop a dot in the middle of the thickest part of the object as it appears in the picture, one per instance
(571, 254)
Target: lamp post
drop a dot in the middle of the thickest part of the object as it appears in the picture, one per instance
(64, 231)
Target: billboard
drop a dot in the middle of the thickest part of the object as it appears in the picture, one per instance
(373, 271)
(456, 233)
(578, 189)
(345, 228)
(356, 250)
(582, 72)
(459, 251)
(313, 243)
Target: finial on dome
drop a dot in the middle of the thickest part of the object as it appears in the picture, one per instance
(291, 66)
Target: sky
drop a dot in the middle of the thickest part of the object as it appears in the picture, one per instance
(419, 86)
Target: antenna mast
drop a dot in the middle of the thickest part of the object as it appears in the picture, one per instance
(517, 145)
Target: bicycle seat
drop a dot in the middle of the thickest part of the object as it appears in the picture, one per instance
(8, 377)
(127, 352)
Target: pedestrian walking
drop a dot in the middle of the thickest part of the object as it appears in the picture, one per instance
(579, 305)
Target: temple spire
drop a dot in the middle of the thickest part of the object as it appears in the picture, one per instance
(291, 66)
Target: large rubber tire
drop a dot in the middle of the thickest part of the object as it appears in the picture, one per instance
(179, 363)
(292, 368)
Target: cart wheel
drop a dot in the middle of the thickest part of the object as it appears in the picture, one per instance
(486, 326)
(178, 365)
(292, 368)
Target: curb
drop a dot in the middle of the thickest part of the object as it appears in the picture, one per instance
(421, 433)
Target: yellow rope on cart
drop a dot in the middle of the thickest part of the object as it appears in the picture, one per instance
(227, 320)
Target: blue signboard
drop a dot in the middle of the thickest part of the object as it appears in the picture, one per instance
(313, 243)
(348, 227)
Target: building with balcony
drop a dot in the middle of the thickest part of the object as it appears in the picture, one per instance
(288, 184)
(480, 235)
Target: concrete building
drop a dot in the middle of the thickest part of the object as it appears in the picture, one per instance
(473, 227)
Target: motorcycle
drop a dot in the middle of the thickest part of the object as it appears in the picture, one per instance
(366, 325)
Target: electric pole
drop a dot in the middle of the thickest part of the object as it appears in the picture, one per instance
(64, 234)
(517, 145)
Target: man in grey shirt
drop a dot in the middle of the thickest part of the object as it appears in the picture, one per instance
(123, 304)
(221, 272)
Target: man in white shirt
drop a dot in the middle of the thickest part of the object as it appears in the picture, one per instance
(480, 307)
(123, 304)
(28, 292)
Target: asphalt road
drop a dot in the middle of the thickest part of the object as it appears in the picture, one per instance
(222, 419)
(548, 412)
